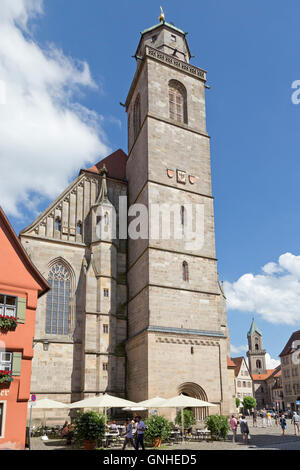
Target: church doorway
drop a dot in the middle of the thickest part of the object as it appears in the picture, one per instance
(195, 391)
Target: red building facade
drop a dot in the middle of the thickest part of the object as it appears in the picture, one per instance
(21, 284)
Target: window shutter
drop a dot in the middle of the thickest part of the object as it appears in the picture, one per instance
(21, 311)
(16, 365)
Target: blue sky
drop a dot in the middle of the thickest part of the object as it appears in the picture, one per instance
(251, 53)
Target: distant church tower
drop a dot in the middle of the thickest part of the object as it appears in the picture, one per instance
(256, 354)
(177, 324)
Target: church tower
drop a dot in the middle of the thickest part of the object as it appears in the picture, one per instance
(256, 354)
(177, 324)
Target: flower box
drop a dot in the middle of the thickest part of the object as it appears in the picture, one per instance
(8, 323)
(6, 376)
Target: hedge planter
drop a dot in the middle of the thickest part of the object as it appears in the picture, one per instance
(89, 445)
(5, 377)
(7, 323)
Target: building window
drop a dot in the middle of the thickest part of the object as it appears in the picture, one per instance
(137, 116)
(105, 328)
(173, 37)
(258, 364)
(8, 305)
(177, 102)
(153, 39)
(79, 228)
(256, 347)
(182, 214)
(58, 224)
(106, 218)
(106, 292)
(6, 359)
(244, 384)
(105, 366)
(239, 383)
(185, 271)
(58, 301)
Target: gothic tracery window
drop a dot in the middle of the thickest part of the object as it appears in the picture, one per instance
(177, 102)
(58, 300)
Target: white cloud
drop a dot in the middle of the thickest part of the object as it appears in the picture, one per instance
(238, 349)
(274, 294)
(271, 363)
(45, 134)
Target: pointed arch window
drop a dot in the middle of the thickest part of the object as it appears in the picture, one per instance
(185, 271)
(58, 300)
(177, 102)
(58, 224)
(79, 228)
(137, 116)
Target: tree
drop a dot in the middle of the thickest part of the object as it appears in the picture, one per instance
(237, 402)
(218, 425)
(188, 419)
(249, 403)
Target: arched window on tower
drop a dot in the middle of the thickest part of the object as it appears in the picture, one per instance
(58, 300)
(137, 116)
(177, 102)
(182, 214)
(185, 271)
(258, 364)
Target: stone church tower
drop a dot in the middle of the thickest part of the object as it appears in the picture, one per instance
(256, 354)
(177, 323)
(144, 316)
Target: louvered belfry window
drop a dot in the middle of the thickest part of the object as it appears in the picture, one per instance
(58, 301)
(177, 102)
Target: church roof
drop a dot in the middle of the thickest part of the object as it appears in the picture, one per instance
(254, 329)
(10, 234)
(115, 164)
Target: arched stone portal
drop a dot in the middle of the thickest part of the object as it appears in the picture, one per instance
(195, 391)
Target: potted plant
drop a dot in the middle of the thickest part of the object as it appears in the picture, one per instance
(188, 419)
(7, 323)
(158, 429)
(218, 426)
(5, 377)
(89, 427)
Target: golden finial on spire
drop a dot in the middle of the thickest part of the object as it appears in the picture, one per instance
(162, 15)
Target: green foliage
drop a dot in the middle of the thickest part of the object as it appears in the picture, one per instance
(5, 377)
(7, 323)
(157, 427)
(237, 402)
(89, 426)
(218, 425)
(249, 403)
(188, 419)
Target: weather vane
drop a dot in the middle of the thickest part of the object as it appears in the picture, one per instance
(162, 15)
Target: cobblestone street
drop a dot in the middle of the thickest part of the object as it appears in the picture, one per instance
(261, 438)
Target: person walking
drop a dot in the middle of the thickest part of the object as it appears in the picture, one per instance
(233, 425)
(295, 422)
(254, 417)
(269, 419)
(283, 424)
(276, 417)
(140, 429)
(128, 435)
(244, 429)
(264, 418)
